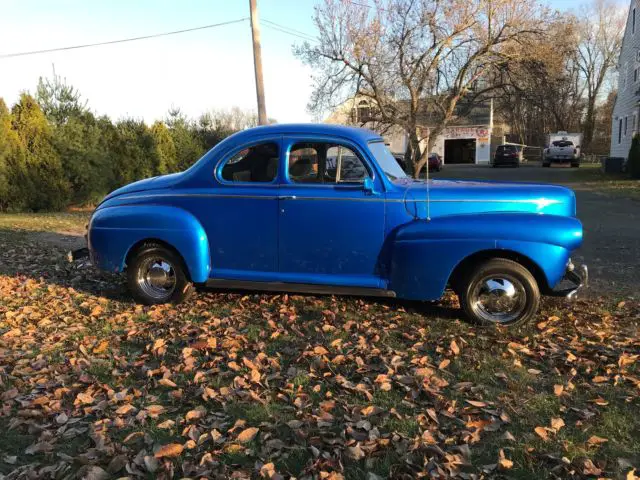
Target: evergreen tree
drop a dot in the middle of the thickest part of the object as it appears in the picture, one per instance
(189, 146)
(58, 100)
(40, 174)
(165, 150)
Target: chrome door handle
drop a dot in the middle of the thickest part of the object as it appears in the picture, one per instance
(287, 197)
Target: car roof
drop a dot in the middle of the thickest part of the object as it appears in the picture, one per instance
(361, 134)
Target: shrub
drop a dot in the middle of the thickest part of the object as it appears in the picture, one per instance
(633, 164)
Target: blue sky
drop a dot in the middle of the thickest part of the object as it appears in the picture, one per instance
(195, 71)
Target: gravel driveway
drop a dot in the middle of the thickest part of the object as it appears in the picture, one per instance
(611, 222)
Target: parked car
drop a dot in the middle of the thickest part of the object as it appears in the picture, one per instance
(435, 162)
(270, 208)
(508, 155)
(562, 151)
(401, 161)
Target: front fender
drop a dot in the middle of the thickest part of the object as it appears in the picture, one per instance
(113, 231)
(425, 252)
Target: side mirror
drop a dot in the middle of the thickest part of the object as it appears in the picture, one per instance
(368, 186)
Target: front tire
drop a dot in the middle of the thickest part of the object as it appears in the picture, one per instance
(157, 275)
(499, 292)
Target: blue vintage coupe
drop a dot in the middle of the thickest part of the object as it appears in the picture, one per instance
(327, 209)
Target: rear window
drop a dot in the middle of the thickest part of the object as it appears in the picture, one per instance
(563, 143)
(507, 149)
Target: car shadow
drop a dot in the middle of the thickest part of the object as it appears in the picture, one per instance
(45, 255)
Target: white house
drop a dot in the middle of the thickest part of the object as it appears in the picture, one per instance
(625, 110)
(468, 141)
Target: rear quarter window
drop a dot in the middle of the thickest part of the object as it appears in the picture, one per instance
(563, 143)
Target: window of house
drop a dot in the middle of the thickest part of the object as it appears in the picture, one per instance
(625, 73)
(633, 21)
(258, 164)
(635, 75)
(633, 124)
(326, 163)
(364, 111)
(620, 131)
(626, 121)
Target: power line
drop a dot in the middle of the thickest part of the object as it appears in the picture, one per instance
(111, 42)
(367, 5)
(289, 30)
(282, 30)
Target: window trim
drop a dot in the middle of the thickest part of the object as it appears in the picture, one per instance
(217, 169)
(292, 141)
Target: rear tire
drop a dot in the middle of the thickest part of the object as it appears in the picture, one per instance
(546, 164)
(157, 275)
(575, 165)
(499, 292)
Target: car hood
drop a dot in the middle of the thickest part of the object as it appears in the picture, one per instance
(478, 196)
(154, 183)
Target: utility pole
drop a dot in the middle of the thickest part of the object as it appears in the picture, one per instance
(257, 62)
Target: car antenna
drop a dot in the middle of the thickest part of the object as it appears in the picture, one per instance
(428, 190)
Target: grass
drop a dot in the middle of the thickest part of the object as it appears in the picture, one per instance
(73, 222)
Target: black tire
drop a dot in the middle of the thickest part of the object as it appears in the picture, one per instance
(505, 276)
(546, 164)
(151, 282)
(575, 165)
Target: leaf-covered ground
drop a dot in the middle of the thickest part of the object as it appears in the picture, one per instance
(242, 385)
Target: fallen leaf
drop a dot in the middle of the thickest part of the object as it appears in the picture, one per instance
(557, 424)
(542, 432)
(169, 450)
(558, 389)
(454, 347)
(84, 399)
(125, 409)
(504, 462)
(444, 364)
(355, 452)
(595, 440)
(248, 434)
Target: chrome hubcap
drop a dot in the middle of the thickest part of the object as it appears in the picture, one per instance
(499, 299)
(157, 278)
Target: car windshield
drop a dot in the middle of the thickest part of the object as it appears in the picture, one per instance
(386, 160)
(563, 143)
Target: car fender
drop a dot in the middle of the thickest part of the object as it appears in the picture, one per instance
(424, 253)
(114, 231)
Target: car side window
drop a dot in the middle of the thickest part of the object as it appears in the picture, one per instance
(326, 163)
(255, 164)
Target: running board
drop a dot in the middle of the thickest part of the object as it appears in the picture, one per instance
(298, 288)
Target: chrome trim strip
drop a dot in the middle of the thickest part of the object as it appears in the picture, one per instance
(363, 199)
(199, 195)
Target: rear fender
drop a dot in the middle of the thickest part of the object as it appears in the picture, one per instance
(114, 231)
(425, 253)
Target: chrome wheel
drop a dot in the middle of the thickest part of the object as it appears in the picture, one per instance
(156, 278)
(499, 298)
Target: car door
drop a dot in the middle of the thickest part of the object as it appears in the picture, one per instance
(242, 215)
(331, 228)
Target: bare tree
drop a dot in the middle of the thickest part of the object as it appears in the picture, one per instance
(544, 91)
(418, 61)
(601, 31)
